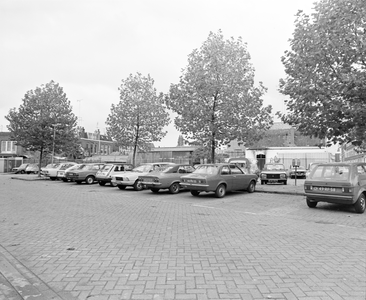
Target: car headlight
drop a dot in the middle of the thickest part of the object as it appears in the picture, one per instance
(282, 176)
(264, 176)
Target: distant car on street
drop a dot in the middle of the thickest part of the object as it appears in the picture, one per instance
(167, 179)
(273, 173)
(218, 178)
(341, 183)
(86, 173)
(20, 169)
(104, 175)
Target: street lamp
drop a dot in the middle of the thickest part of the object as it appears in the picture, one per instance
(53, 140)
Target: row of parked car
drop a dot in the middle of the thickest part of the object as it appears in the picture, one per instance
(217, 178)
(342, 183)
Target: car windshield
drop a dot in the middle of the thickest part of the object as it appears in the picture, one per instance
(205, 169)
(106, 167)
(332, 172)
(274, 167)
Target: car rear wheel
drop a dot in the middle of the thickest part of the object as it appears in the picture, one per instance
(311, 204)
(137, 186)
(251, 187)
(121, 187)
(53, 178)
(360, 204)
(285, 182)
(155, 190)
(195, 193)
(22, 172)
(174, 188)
(101, 183)
(89, 179)
(220, 191)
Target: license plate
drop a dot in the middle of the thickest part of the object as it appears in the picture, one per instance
(272, 180)
(324, 188)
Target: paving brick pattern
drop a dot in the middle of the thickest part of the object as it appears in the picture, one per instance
(92, 242)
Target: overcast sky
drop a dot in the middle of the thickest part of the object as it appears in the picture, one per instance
(89, 46)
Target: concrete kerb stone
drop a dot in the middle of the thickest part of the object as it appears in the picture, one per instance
(21, 283)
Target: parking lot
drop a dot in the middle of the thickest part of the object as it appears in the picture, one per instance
(72, 241)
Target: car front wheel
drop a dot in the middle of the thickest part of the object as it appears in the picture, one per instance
(220, 191)
(89, 179)
(251, 187)
(311, 204)
(360, 204)
(174, 188)
(137, 186)
(195, 193)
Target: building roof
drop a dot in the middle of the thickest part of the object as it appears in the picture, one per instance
(174, 149)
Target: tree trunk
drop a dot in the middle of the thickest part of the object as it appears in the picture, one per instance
(40, 161)
(213, 147)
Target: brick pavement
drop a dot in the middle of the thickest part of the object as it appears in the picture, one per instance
(90, 242)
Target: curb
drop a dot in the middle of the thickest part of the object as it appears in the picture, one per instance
(281, 192)
(20, 283)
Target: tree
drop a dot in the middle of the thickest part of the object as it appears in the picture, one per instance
(140, 116)
(215, 99)
(44, 122)
(326, 72)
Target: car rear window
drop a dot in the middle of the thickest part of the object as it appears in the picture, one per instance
(330, 172)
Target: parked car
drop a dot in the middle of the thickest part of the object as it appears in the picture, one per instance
(131, 178)
(104, 175)
(32, 169)
(298, 172)
(51, 173)
(85, 173)
(218, 178)
(342, 183)
(273, 173)
(61, 173)
(311, 167)
(167, 179)
(45, 169)
(20, 169)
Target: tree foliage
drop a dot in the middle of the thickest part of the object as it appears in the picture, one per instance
(140, 116)
(44, 121)
(326, 72)
(215, 99)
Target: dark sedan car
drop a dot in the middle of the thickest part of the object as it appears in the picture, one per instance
(218, 178)
(167, 179)
(342, 183)
(85, 173)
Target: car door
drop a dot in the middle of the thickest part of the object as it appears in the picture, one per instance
(226, 176)
(361, 174)
(240, 180)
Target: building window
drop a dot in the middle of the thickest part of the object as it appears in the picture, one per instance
(8, 147)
